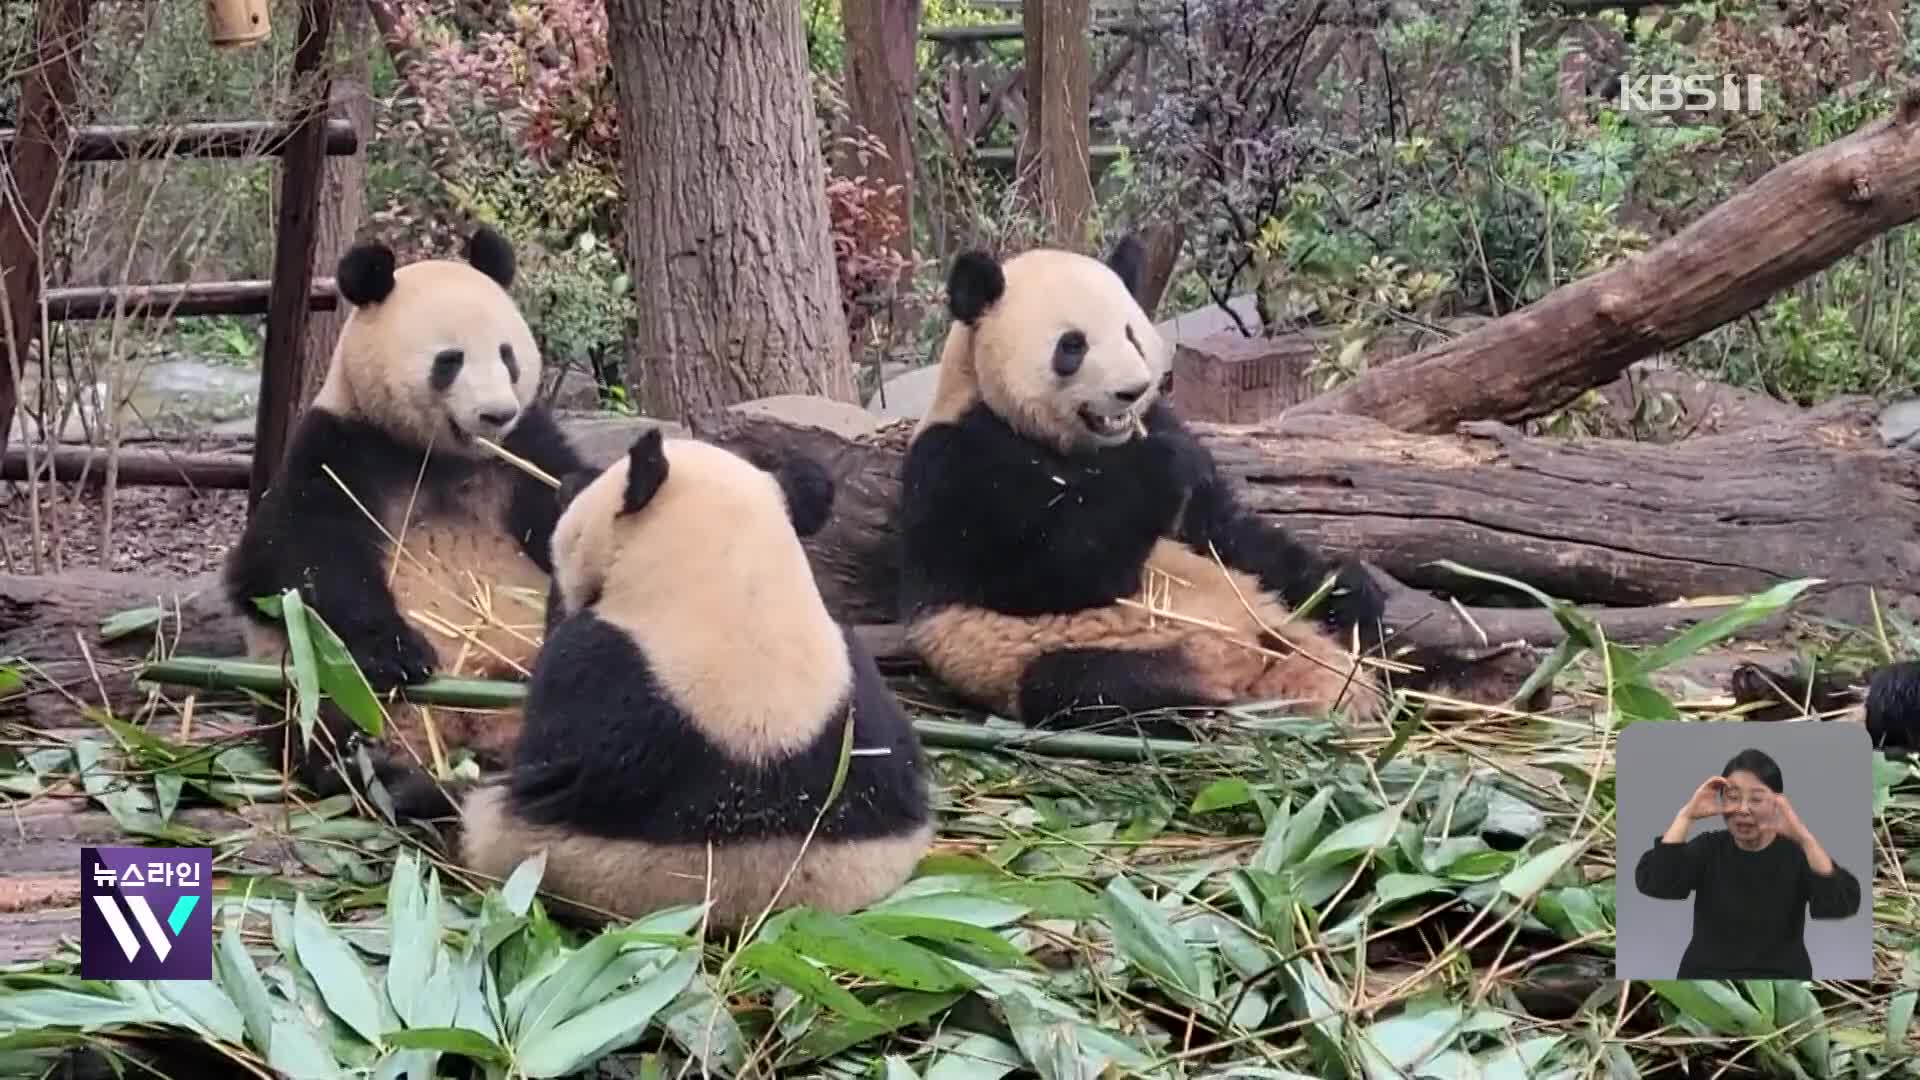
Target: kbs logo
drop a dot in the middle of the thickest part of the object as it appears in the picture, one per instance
(146, 913)
(1665, 93)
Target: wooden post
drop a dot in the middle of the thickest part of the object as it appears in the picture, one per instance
(881, 36)
(1053, 154)
(343, 196)
(302, 169)
(47, 99)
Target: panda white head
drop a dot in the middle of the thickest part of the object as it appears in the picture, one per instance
(435, 352)
(684, 519)
(1055, 343)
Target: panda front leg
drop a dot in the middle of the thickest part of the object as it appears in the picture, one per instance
(1084, 686)
(331, 764)
(1212, 517)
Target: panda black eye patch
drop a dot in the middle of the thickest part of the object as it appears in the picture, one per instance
(512, 365)
(1069, 353)
(446, 364)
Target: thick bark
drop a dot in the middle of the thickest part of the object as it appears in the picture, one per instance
(1053, 152)
(881, 35)
(37, 154)
(726, 216)
(343, 192)
(1795, 221)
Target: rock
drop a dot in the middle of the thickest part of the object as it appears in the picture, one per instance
(905, 397)
(846, 420)
(1900, 424)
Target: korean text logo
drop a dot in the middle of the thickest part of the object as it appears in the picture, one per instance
(146, 913)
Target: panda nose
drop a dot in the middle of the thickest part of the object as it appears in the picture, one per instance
(1132, 393)
(499, 417)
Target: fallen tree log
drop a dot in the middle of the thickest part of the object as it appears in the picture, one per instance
(1602, 522)
(208, 470)
(1795, 221)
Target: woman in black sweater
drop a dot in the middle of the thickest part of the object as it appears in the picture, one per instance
(1753, 883)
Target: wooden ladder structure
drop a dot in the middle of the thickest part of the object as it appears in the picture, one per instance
(34, 155)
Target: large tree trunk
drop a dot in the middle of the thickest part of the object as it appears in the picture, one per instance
(726, 215)
(881, 36)
(1795, 221)
(1053, 153)
(343, 191)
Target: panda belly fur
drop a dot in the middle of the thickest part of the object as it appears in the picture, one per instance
(639, 803)
(993, 657)
(464, 583)
(454, 555)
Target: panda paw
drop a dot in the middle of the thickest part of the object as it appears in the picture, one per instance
(1356, 600)
(399, 657)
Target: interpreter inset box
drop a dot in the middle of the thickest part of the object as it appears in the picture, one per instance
(1745, 851)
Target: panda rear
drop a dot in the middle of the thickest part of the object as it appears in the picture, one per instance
(686, 715)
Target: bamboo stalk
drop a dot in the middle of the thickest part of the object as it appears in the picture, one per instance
(208, 673)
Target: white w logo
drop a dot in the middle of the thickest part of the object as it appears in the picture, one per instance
(123, 933)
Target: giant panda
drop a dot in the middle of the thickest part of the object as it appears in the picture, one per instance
(1048, 482)
(432, 356)
(687, 713)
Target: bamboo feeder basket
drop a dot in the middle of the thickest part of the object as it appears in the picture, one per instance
(238, 24)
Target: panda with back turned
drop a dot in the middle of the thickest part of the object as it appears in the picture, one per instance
(1047, 483)
(686, 716)
(433, 355)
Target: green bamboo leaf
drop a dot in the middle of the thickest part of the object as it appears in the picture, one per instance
(1636, 700)
(616, 1022)
(1796, 1008)
(204, 1005)
(1712, 1004)
(342, 979)
(1221, 794)
(51, 1008)
(1530, 877)
(791, 970)
(929, 928)
(1356, 837)
(121, 624)
(975, 908)
(450, 1040)
(341, 679)
(306, 670)
(296, 1054)
(1393, 888)
(1753, 609)
(1577, 626)
(976, 1057)
(834, 1033)
(242, 982)
(521, 885)
(1144, 935)
(414, 915)
(538, 1006)
(842, 943)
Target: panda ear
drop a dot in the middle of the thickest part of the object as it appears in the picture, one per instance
(646, 470)
(973, 285)
(492, 255)
(807, 485)
(1129, 259)
(364, 274)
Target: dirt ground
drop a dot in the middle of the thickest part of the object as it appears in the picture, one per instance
(155, 529)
